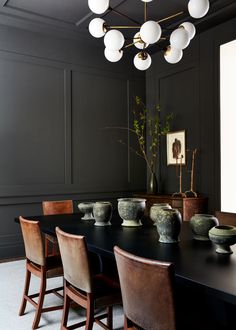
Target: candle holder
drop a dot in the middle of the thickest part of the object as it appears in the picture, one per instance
(191, 192)
(179, 176)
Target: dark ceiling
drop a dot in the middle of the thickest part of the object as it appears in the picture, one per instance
(71, 17)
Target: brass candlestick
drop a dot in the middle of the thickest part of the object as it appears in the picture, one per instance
(191, 192)
(179, 176)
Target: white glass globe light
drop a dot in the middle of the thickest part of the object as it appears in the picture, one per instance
(113, 55)
(198, 8)
(179, 38)
(114, 40)
(142, 61)
(98, 6)
(150, 32)
(173, 55)
(146, 0)
(97, 28)
(139, 44)
(190, 28)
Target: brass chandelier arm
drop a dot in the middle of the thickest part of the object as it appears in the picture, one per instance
(170, 17)
(145, 11)
(125, 27)
(124, 15)
(129, 45)
(139, 40)
(138, 26)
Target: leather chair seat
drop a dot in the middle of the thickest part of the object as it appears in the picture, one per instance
(53, 266)
(106, 291)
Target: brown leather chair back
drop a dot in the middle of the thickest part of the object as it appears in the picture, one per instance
(226, 218)
(147, 293)
(74, 255)
(57, 207)
(34, 249)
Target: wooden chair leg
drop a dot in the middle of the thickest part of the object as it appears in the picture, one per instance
(109, 317)
(40, 301)
(66, 308)
(46, 247)
(25, 293)
(54, 249)
(89, 314)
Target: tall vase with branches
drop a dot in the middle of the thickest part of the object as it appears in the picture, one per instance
(148, 129)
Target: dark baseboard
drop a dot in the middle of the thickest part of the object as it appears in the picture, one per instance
(11, 259)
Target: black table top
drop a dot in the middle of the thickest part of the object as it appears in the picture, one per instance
(196, 262)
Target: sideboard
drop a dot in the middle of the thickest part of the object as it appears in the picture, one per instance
(188, 206)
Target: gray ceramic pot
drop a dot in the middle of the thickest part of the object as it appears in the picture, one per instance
(169, 225)
(87, 209)
(131, 211)
(155, 210)
(201, 224)
(223, 237)
(102, 212)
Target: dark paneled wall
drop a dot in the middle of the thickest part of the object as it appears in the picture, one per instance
(190, 89)
(57, 97)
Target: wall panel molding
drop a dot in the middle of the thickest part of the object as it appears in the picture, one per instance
(101, 148)
(25, 108)
(68, 124)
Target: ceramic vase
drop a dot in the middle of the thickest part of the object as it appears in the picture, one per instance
(102, 212)
(201, 224)
(87, 209)
(131, 211)
(155, 210)
(223, 237)
(168, 225)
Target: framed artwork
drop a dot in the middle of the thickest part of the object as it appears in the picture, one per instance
(176, 150)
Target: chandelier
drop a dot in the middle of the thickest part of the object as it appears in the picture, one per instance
(146, 34)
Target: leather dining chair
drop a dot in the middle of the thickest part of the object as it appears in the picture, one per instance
(147, 292)
(91, 291)
(40, 266)
(226, 218)
(51, 208)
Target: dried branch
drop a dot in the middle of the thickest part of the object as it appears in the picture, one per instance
(145, 125)
(130, 148)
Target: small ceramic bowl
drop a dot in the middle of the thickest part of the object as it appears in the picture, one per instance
(223, 237)
(87, 209)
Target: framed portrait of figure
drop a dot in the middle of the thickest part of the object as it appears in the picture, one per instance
(176, 148)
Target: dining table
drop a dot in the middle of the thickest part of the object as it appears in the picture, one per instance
(201, 274)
